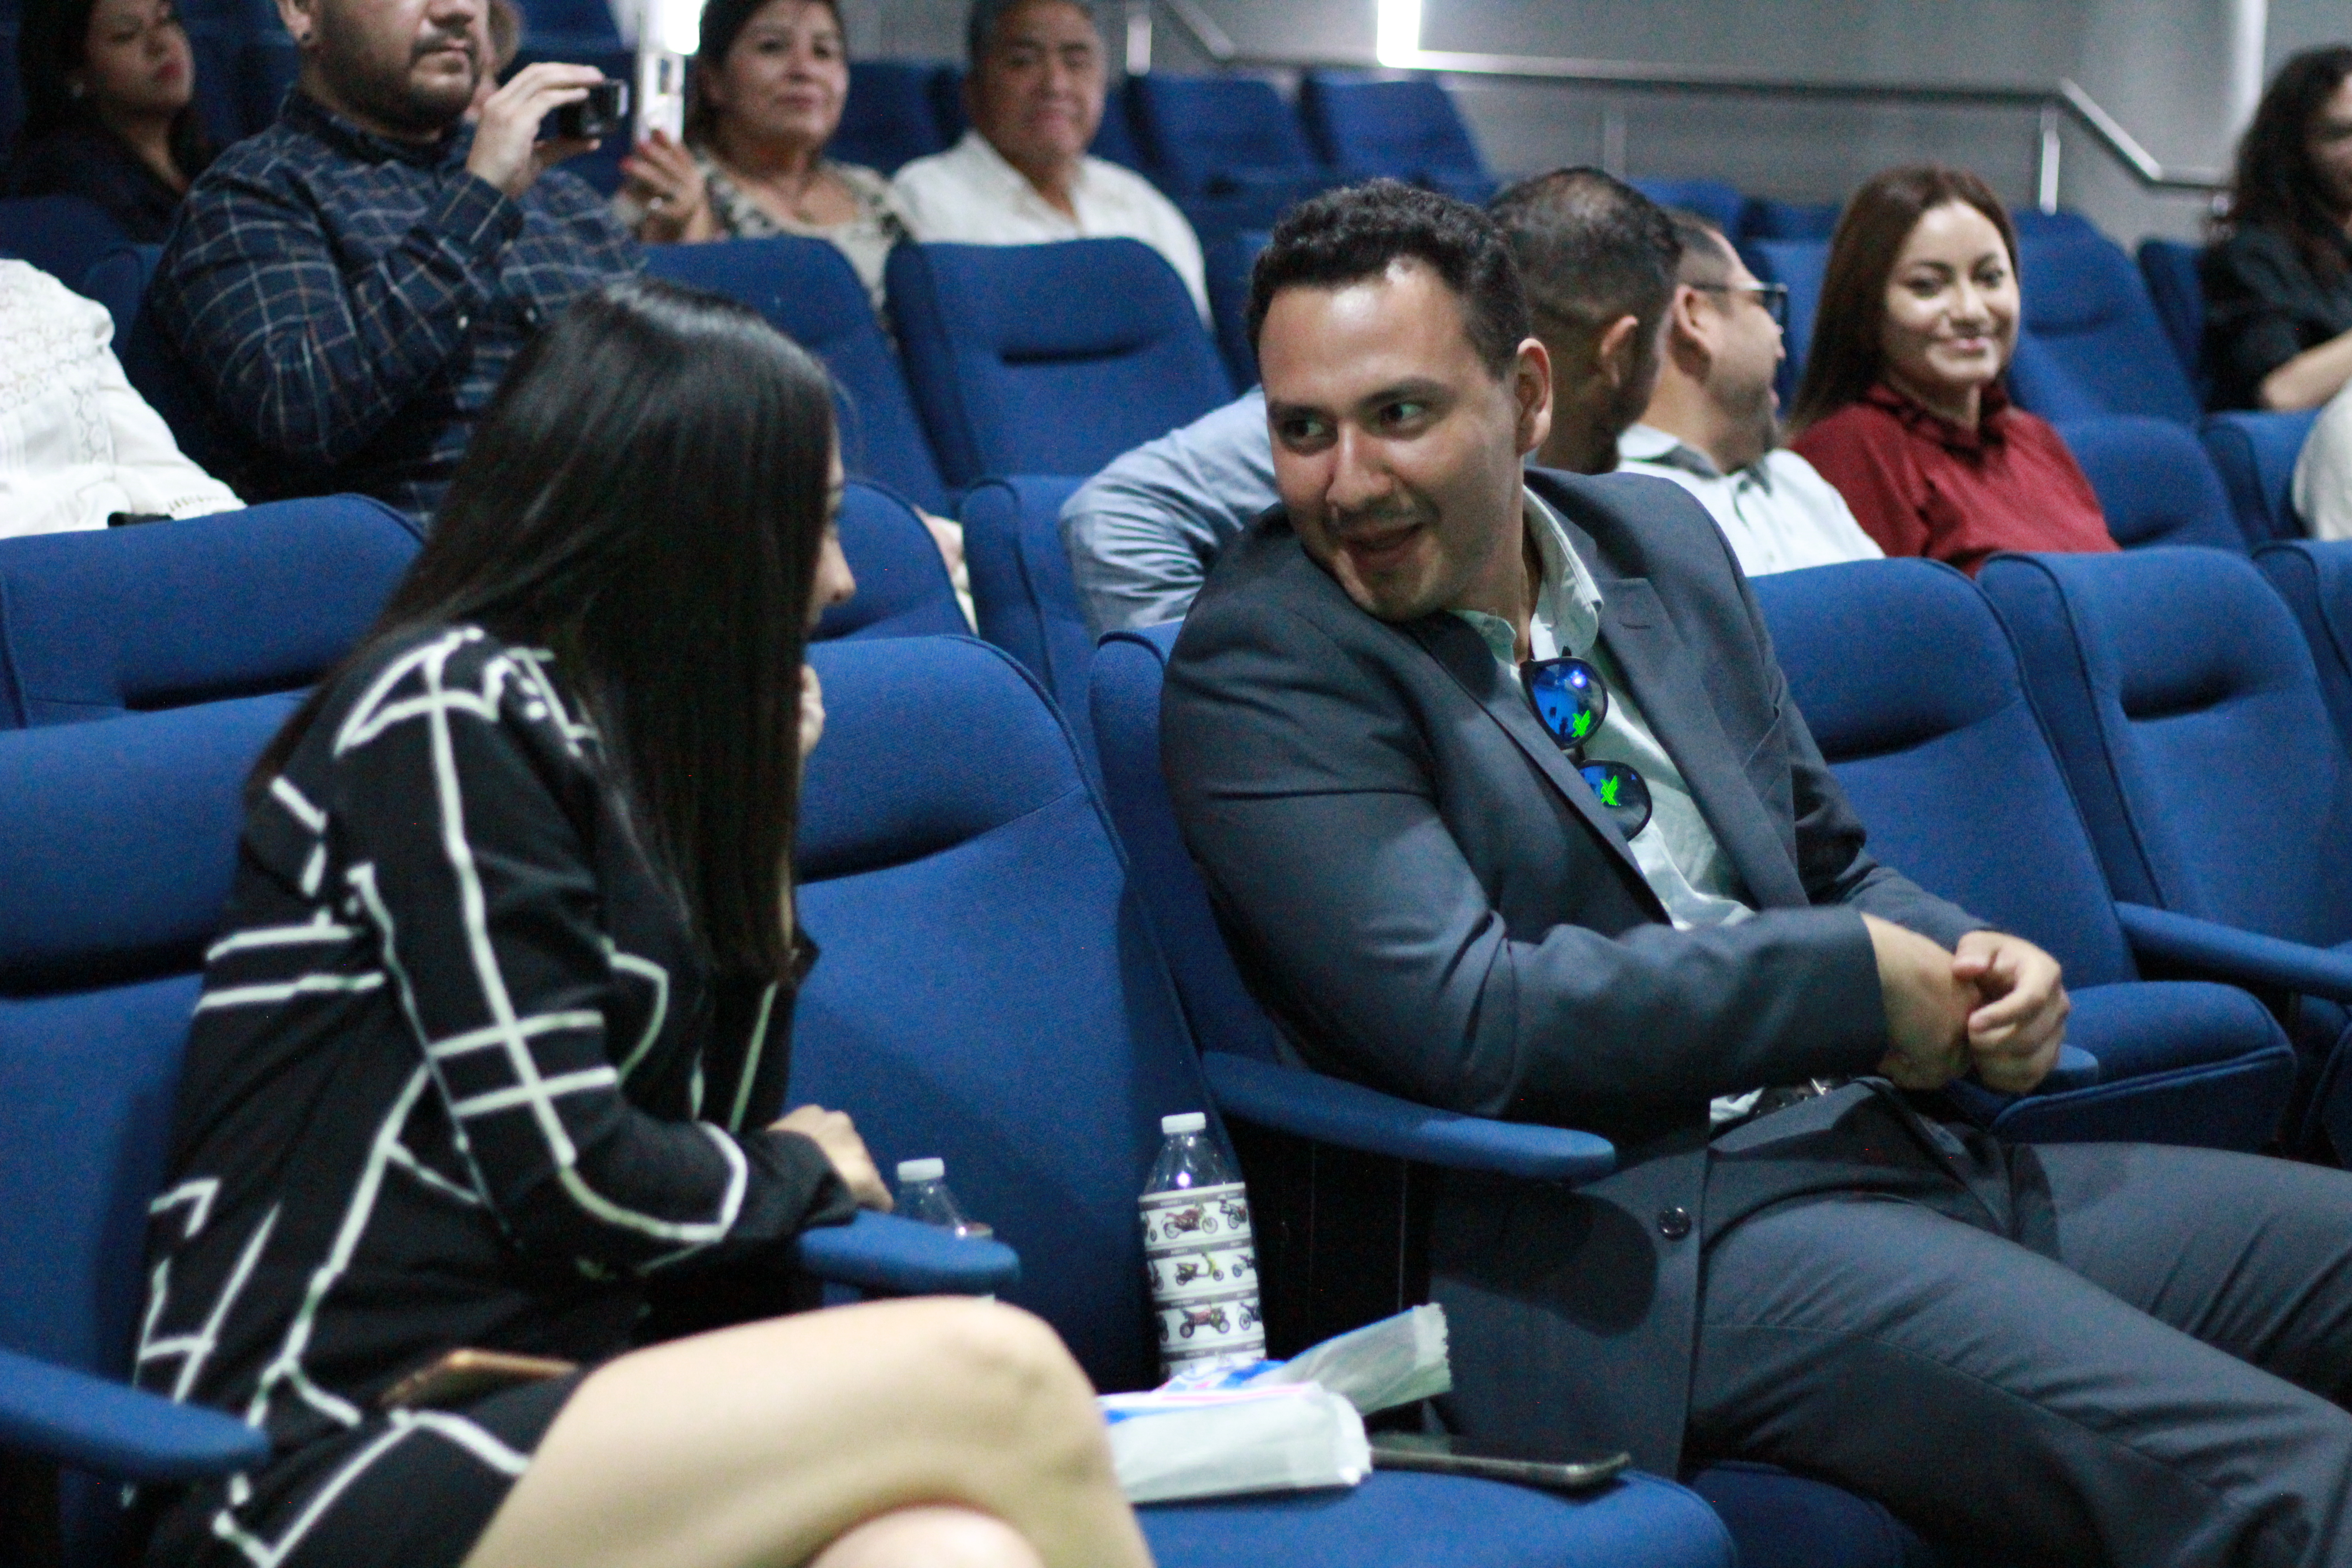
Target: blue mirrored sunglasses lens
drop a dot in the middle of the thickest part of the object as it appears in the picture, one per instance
(1623, 792)
(1570, 703)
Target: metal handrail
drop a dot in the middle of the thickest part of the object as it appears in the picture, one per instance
(2065, 98)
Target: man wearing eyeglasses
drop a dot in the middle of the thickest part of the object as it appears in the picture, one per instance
(1712, 423)
(1505, 808)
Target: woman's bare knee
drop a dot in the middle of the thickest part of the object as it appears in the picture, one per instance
(931, 1536)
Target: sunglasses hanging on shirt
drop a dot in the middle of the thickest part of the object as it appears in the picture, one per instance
(1571, 700)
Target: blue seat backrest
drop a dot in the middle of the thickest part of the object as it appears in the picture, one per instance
(62, 235)
(2186, 707)
(1022, 591)
(989, 992)
(2314, 578)
(2154, 481)
(1127, 672)
(2102, 349)
(1404, 126)
(1115, 138)
(1227, 261)
(12, 102)
(946, 90)
(117, 841)
(1768, 219)
(2032, 223)
(165, 615)
(1049, 359)
(569, 20)
(903, 588)
(2169, 267)
(809, 292)
(1719, 204)
(218, 48)
(887, 120)
(119, 282)
(117, 845)
(271, 63)
(1800, 264)
(2255, 452)
(1198, 132)
(1936, 746)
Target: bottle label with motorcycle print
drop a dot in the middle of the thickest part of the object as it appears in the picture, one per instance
(1202, 1262)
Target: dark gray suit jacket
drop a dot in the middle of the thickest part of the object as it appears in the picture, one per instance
(1431, 901)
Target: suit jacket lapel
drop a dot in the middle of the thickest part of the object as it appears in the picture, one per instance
(1671, 689)
(1462, 654)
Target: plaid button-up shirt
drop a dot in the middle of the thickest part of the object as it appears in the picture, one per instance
(350, 302)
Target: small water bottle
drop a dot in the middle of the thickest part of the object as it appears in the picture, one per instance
(1198, 1252)
(923, 1195)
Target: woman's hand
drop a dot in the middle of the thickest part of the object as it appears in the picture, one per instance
(665, 177)
(832, 1131)
(811, 710)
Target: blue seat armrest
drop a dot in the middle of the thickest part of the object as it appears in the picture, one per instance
(2075, 1069)
(1350, 1115)
(889, 1256)
(2229, 953)
(56, 1412)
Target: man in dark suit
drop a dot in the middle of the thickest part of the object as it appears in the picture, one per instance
(1652, 913)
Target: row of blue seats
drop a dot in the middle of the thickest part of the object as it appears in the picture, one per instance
(1941, 747)
(1040, 1073)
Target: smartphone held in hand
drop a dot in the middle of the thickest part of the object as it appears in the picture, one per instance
(592, 119)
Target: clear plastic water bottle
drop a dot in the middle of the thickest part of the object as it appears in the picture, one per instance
(923, 1195)
(1198, 1252)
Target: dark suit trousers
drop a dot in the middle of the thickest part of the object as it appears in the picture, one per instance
(2151, 1381)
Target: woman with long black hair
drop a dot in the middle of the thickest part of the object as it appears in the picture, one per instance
(2278, 282)
(109, 111)
(487, 1071)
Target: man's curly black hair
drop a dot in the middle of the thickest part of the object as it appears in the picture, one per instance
(1346, 236)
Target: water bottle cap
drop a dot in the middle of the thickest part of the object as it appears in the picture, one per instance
(1183, 1121)
(921, 1169)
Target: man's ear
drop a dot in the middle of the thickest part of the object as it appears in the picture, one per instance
(1531, 390)
(1616, 353)
(302, 19)
(1692, 322)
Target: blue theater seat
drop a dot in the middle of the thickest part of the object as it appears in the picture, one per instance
(1048, 359)
(1766, 219)
(164, 615)
(1778, 1521)
(1023, 593)
(2032, 223)
(946, 90)
(2255, 452)
(903, 588)
(888, 118)
(809, 292)
(2185, 704)
(1226, 145)
(1800, 264)
(1114, 138)
(1936, 744)
(1228, 261)
(119, 282)
(62, 235)
(2098, 344)
(1719, 204)
(1404, 127)
(2154, 481)
(991, 994)
(2169, 267)
(269, 66)
(2316, 580)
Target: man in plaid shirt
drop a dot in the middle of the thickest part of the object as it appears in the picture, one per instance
(351, 285)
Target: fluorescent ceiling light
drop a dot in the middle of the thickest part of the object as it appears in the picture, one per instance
(1399, 36)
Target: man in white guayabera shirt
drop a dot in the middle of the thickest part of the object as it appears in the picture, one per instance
(1021, 174)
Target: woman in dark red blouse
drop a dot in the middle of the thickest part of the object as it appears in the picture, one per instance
(1902, 407)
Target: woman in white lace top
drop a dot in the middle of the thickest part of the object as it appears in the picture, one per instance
(78, 445)
(769, 80)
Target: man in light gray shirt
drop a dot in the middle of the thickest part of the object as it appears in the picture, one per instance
(1713, 425)
(1598, 258)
